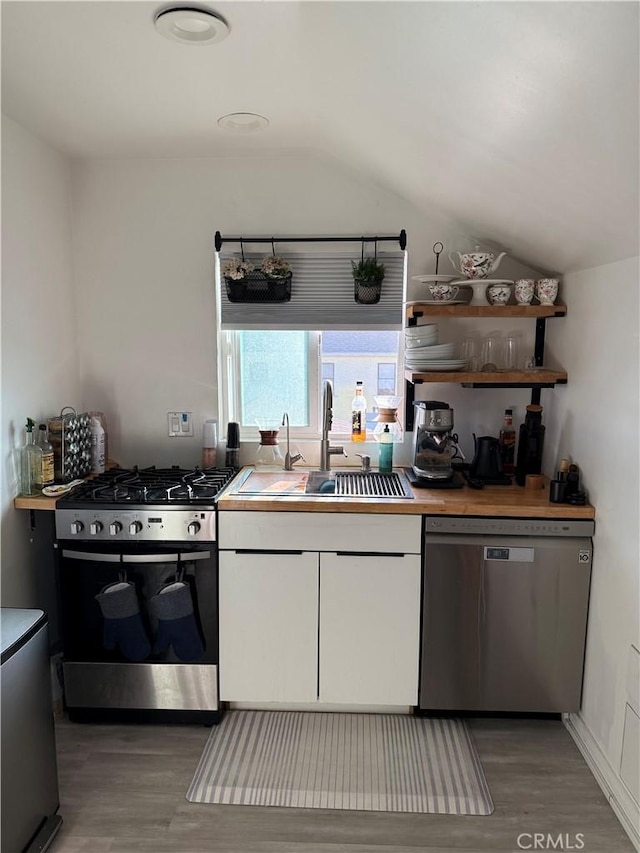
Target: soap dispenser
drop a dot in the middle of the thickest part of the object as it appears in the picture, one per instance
(385, 459)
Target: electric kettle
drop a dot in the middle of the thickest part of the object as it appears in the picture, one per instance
(486, 463)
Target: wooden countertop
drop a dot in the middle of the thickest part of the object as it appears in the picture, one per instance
(500, 501)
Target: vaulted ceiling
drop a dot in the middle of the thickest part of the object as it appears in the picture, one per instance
(517, 120)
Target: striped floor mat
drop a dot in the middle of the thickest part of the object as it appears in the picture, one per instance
(367, 762)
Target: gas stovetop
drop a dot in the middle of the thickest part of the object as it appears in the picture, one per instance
(150, 486)
(156, 504)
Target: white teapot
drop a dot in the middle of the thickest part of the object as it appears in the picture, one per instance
(476, 264)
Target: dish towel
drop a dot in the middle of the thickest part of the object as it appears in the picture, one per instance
(122, 621)
(173, 608)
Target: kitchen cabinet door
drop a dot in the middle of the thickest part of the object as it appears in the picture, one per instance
(268, 626)
(369, 628)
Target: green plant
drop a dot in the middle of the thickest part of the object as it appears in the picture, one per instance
(368, 271)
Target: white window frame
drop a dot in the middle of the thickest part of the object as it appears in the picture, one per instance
(229, 386)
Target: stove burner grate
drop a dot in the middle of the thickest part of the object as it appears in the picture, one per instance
(153, 485)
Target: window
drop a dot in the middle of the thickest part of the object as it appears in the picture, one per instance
(386, 378)
(265, 373)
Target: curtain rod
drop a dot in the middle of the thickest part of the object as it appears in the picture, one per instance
(401, 238)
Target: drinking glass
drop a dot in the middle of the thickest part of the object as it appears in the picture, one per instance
(510, 354)
(491, 354)
(469, 351)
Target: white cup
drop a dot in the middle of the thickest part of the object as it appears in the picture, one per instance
(547, 290)
(524, 291)
(443, 292)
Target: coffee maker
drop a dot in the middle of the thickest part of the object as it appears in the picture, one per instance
(435, 445)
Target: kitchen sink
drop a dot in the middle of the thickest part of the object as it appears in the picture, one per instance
(342, 484)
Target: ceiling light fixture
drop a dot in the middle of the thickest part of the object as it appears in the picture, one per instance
(192, 26)
(243, 122)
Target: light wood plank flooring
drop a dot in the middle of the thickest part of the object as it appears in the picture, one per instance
(122, 790)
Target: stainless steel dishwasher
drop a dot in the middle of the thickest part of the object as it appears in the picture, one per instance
(504, 617)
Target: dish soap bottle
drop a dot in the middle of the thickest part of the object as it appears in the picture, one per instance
(359, 415)
(507, 442)
(30, 464)
(47, 456)
(385, 459)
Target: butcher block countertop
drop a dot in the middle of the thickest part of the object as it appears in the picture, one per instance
(506, 501)
(500, 501)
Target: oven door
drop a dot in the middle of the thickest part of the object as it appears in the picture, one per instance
(180, 670)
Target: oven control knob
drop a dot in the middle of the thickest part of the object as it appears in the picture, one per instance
(77, 527)
(135, 527)
(193, 528)
(114, 528)
(95, 527)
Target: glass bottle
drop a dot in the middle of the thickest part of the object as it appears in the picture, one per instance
(45, 445)
(359, 415)
(31, 464)
(530, 444)
(385, 459)
(507, 443)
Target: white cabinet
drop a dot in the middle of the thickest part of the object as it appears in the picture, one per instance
(319, 624)
(369, 628)
(268, 627)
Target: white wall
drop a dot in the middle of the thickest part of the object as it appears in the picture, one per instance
(594, 420)
(39, 351)
(144, 272)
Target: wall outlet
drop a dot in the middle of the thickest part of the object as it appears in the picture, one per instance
(180, 424)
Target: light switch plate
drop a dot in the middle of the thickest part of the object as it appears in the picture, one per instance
(180, 424)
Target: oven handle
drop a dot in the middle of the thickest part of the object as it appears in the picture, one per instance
(185, 557)
(137, 558)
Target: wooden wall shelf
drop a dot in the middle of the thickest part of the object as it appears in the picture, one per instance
(540, 378)
(420, 309)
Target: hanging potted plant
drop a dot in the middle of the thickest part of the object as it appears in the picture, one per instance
(235, 272)
(277, 272)
(368, 275)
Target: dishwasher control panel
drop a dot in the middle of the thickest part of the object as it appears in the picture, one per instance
(491, 526)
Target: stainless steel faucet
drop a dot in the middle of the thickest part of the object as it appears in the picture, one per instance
(289, 460)
(326, 450)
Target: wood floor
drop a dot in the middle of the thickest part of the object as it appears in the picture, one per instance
(122, 790)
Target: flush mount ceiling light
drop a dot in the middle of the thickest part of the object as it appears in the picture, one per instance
(192, 26)
(243, 122)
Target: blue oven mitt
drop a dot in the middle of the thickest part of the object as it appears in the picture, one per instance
(122, 621)
(173, 608)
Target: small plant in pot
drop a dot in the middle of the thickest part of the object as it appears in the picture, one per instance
(236, 269)
(368, 275)
(274, 266)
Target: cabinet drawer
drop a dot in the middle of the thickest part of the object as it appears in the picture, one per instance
(302, 531)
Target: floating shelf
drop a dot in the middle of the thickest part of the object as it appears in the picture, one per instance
(540, 378)
(531, 311)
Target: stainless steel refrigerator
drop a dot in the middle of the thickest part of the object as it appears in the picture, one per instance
(29, 769)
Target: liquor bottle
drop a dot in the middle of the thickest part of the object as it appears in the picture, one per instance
(385, 459)
(359, 415)
(507, 442)
(530, 444)
(47, 456)
(30, 464)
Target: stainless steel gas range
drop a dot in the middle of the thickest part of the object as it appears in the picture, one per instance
(138, 577)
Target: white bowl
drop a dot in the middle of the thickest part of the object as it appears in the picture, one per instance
(430, 352)
(414, 331)
(426, 341)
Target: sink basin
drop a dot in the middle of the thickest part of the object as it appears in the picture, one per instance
(342, 484)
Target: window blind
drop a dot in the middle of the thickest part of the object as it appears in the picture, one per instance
(322, 294)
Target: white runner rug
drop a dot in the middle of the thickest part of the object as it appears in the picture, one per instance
(367, 762)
